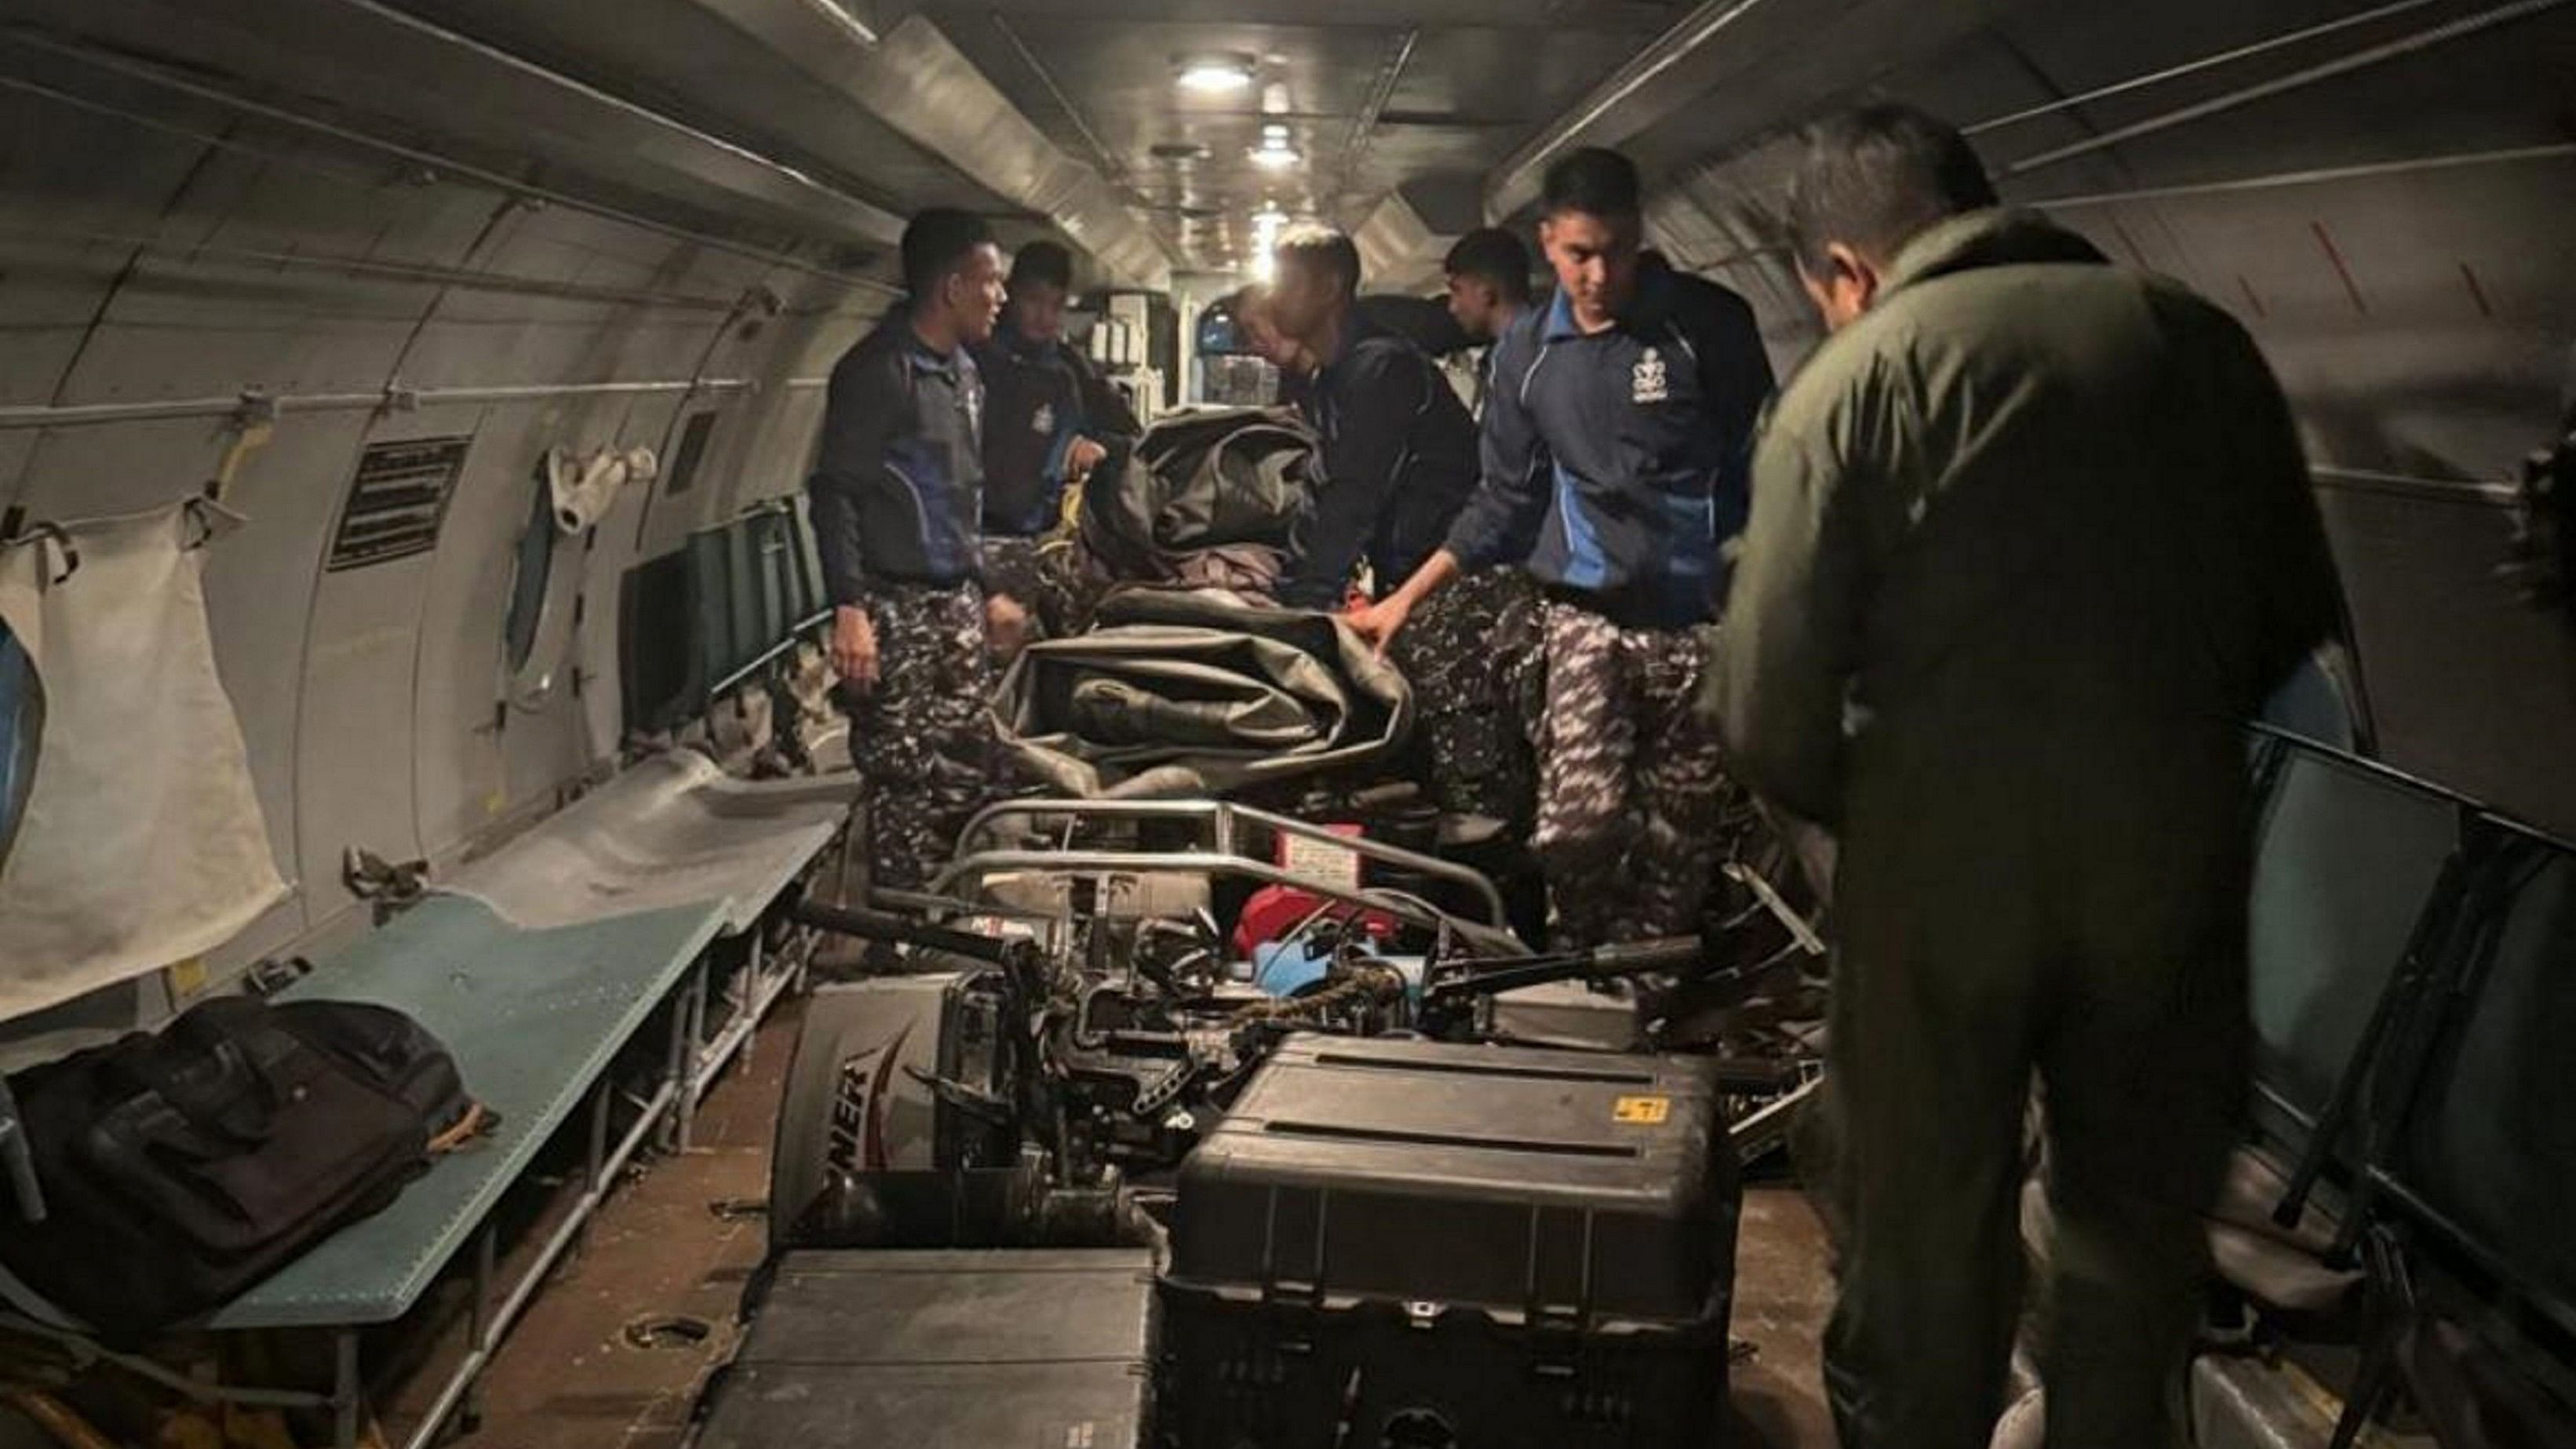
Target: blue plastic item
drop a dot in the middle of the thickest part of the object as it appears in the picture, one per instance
(1287, 969)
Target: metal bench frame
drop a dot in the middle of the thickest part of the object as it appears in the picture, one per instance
(691, 1064)
(690, 1067)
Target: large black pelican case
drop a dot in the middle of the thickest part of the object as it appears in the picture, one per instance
(1420, 1245)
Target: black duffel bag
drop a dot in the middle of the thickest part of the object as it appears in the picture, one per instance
(180, 1168)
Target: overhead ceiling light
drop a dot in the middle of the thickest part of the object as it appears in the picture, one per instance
(1215, 75)
(1275, 153)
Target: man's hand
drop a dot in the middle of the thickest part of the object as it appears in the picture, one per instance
(1006, 625)
(1379, 623)
(1084, 456)
(854, 647)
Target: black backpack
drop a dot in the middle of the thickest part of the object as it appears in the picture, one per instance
(180, 1168)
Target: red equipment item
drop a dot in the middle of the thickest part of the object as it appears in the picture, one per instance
(1274, 911)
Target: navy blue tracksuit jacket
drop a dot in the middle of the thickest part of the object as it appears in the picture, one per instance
(1615, 464)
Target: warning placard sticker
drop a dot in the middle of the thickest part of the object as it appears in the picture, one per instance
(1322, 861)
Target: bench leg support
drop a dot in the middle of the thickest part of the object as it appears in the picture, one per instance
(605, 1163)
(594, 1161)
(344, 1389)
(694, 1010)
(675, 1069)
(482, 1337)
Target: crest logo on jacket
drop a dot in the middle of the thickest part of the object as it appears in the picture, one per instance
(1647, 383)
(1042, 422)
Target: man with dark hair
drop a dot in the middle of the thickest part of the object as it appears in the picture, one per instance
(1397, 460)
(2031, 539)
(1050, 418)
(1489, 282)
(897, 499)
(1489, 288)
(1614, 457)
(1256, 321)
(1396, 447)
(1316, 264)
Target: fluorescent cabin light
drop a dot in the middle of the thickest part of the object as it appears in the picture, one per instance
(1215, 75)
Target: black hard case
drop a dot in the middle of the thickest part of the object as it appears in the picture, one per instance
(944, 1350)
(1414, 1243)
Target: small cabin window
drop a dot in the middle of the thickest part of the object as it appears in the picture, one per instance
(545, 601)
(22, 714)
(691, 452)
(535, 568)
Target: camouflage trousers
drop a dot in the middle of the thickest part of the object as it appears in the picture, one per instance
(922, 739)
(1473, 654)
(1631, 783)
(1042, 578)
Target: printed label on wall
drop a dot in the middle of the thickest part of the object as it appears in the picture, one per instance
(397, 501)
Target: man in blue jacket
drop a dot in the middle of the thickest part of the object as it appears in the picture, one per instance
(1396, 448)
(1050, 419)
(1615, 445)
(897, 501)
(1489, 288)
(1397, 462)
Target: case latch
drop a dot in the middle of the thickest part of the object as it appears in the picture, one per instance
(1295, 1311)
(1556, 1341)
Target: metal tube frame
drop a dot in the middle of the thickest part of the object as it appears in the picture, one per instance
(1769, 896)
(391, 398)
(448, 164)
(1381, 91)
(688, 1072)
(1513, 182)
(2316, 176)
(693, 1002)
(800, 632)
(86, 1350)
(1222, 817)
(1766, 1127)
(2196, 66)
(422, 273)
(762, 990)
(2346, 64)
(345, 1394)
(1489, 939)
(602, 1172)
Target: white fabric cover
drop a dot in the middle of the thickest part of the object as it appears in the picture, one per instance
(672, 830)
(143, 843)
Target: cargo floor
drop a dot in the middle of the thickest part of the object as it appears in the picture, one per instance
(570, 1377)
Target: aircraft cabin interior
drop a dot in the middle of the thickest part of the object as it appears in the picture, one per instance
(1287, 724)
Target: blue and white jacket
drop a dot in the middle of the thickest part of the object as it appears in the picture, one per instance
(1615, 463)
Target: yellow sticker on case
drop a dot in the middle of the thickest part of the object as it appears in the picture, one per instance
(1642, 1111)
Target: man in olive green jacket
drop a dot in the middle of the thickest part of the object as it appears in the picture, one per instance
(2031, 538)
